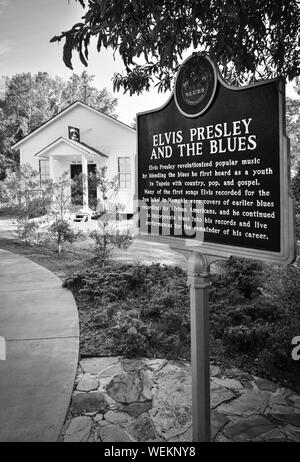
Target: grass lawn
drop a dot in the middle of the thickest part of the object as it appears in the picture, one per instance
(61, 265)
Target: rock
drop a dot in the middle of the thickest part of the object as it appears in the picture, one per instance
(87, 383)
(113, 434)
(219, 396)
(278, 399)
(155, 364)
(111, 371)
(280, 409)
(97, 365)
(130, 388)
(280, 406)
(78, 430)
(213, 386)
(147, 385)
(292, 419)
(248, 429)
(142, 429)
(291, 433)
(220, 438)
(184, 437)
(183, 365)
(136, 409)
(93, 438)
(112, 404)
(133, 365)
(273, 436)
(265, 385)
(295, 400)
(217, 422)
(103, 423)
(171, 402)
(235, 373)
(249, 403)
(228, 383)
(118, 418)
(89, 402)
(103, 382)
(247, 385)
(214, 370)
(98, 417)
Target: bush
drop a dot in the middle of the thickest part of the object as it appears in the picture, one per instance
(106, 239)
(62, 232)
(147, 307)
(26, 229)
(244, 339)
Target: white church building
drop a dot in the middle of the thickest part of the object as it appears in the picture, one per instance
(81, 139)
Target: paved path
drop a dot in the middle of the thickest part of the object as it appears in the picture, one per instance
(39, 322)
(123, 400)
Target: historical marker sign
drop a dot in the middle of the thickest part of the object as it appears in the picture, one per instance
(213, 167)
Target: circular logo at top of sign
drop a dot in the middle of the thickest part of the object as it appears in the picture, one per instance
(195, 85)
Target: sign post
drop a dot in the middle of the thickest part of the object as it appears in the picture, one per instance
(199, 281)
(213, 182)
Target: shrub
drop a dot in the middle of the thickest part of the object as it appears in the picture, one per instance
(244, 339)
(147, 306)
(26, 229)
(130, 333)
(246, 276)
(61, 231)
(106, 239)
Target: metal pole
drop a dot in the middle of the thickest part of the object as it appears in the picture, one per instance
(199, 281)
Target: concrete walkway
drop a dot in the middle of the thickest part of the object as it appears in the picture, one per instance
(39, 321)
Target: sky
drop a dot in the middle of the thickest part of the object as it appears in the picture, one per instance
(26, 27)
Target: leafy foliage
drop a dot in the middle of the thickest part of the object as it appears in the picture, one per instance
(26, 229)
(107, 188)
(256, 328)
(293, 129)
(106, 238)
(247, 39)
(61, 230)
(296, 194)
(147, 315)
(28, 197)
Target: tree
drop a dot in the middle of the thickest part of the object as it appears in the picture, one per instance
(80, 88)
(133, 123)
(108, 236)
(28, 100)
(19, 186)
(108, 189)
(61, 231)
(61, 197)
(249, 40)
(293, 130)
(30, 197)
